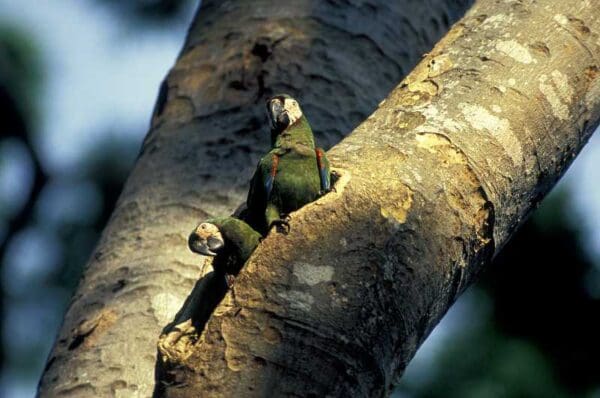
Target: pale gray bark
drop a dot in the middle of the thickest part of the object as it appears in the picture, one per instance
(340, 58)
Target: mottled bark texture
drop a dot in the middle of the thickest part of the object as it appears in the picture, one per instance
(339, 58)
(432, 185)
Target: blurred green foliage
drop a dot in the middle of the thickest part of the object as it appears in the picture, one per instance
(532, 330)
(21, 71)
(49, 221)
(19, 79)
(484, 363)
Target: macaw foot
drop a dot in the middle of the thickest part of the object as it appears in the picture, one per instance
(230, 280)
(334, 178)
(282, 225)
(174, 344)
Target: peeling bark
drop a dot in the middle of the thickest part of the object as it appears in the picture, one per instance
(339, 58)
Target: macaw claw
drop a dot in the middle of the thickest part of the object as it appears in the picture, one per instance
(230, 280)
(282, 225)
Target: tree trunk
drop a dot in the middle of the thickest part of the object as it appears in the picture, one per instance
(208, 130)
(432, 185)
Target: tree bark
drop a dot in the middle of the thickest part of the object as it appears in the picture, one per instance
(340, 58)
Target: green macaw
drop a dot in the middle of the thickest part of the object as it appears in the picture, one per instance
(292, 174)
(230, 240)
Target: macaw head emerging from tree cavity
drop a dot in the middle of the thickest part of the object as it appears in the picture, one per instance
(283, 111)
(206, 239)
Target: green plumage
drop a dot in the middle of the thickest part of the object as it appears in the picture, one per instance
(288, 177)
(240, 242)
(292, 174)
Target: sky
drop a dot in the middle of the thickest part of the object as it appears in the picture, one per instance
(100, 75)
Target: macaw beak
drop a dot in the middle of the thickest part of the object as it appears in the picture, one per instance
(206, 246)
(277, 114)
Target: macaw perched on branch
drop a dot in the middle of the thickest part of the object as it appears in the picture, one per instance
(292, 174)
(230, 240)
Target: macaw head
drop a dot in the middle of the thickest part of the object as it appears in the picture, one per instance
(283, 111)
(206, 239)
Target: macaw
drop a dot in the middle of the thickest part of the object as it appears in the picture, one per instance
(292, 174)
(230, 240)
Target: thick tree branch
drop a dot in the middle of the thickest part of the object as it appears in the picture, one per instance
(339, 58)
(433, 185)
